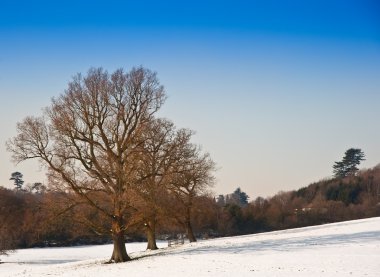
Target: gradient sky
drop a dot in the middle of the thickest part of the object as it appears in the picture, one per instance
(275, 90)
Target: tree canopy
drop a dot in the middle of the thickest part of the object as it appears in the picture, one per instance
(348, 165)
(240, 196)
(17, 179)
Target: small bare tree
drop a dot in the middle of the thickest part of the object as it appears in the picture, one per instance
(160, 152)
(193, 177)
(89, 138)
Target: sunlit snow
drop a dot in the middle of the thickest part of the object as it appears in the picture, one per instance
(349, 248)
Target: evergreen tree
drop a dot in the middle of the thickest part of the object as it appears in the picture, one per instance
(38, 187)
(17, 179)
(348, 166)
(221, 200)
(240, 197)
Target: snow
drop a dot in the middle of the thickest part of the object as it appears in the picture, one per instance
(349, 248)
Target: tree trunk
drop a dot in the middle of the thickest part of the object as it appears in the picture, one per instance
(189, 229)
(119, 253)
(151, 234)
(189, 232)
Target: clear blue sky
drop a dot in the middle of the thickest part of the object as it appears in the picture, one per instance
(276, 90)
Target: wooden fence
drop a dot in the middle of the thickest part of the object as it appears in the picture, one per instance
(176, 241)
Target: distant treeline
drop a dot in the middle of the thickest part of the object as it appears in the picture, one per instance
(46, 218)
(326, 201)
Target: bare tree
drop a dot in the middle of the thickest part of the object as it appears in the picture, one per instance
(193, 176)
(161, 150)
(89, 136)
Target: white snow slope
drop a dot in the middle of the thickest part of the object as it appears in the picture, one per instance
(349, 248)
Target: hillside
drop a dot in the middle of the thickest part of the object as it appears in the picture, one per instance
(326, 201)
(350, 248)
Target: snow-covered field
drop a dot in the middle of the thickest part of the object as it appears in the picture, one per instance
(342, 249)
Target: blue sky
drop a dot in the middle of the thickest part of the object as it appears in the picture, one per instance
(276, 90)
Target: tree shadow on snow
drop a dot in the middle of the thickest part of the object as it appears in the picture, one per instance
(286, 244)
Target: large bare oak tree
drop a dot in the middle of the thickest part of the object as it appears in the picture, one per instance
(90, 136)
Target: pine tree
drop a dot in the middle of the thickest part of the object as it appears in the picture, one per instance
(239, 197)
(17, 179)
(348, 166)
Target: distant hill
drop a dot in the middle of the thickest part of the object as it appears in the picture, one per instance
(325, 201)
